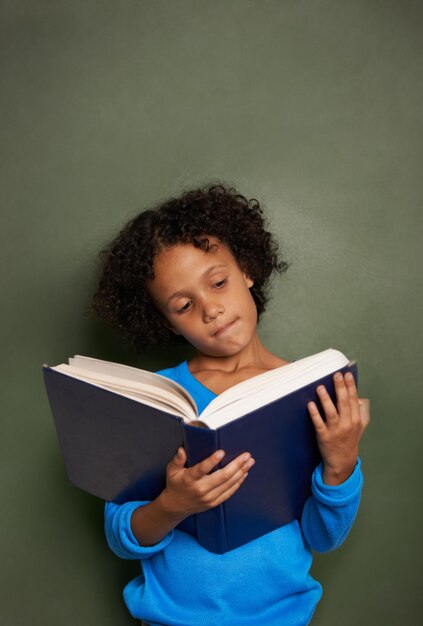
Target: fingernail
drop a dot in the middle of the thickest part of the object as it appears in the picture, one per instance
(338, 376)
(246, 456)
(220, 454)
(250, 463)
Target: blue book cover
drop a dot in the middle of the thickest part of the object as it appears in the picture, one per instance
(117, 448)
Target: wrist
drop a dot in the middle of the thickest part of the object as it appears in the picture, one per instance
(335, 475)
(169, 508)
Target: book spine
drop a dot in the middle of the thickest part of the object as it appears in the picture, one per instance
(208, 526)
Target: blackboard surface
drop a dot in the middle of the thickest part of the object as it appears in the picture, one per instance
(315, 109)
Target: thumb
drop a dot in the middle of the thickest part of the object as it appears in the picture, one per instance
(364, 411)
(180, 458)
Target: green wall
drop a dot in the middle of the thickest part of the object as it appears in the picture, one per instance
(315, 108)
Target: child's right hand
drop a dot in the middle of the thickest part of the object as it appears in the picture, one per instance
(193, 489)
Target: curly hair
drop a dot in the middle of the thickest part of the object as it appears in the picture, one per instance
(219, 211)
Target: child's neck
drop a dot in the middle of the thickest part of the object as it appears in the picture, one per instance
(221, 373)
(253, 358)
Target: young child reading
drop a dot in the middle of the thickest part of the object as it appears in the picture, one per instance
(195, 269)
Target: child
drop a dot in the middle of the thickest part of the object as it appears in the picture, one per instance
(195, 270)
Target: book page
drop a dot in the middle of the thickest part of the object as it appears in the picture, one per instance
(285, 372)
(146, 401)
(260, 390)
(129, 373)
(164, 399)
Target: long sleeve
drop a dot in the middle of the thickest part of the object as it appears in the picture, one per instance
(120, 538)
(330, 511)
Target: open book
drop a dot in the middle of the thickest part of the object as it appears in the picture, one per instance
(118, 427)
(164, 394)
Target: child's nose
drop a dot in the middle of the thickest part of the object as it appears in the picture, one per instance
(211, 310)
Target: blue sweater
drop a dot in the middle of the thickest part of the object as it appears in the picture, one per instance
(264, 582)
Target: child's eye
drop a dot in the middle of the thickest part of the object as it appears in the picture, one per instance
(184, 308)
(220, 283)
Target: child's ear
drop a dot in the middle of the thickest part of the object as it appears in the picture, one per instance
(249, 282)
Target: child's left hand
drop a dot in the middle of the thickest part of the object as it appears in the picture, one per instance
(338, 437)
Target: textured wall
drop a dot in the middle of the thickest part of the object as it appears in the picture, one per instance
(313, 107)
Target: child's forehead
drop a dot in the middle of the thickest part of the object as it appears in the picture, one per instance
(183, 266)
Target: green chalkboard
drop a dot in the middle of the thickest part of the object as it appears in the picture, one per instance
(314, 108)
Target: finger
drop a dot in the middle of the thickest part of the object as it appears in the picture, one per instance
(225, 477)
(351, 386)
(205, 466)
(179, 460)
(327, 404)
(217, 489)
(241, 462)
(316, 418)
(364, 404)
(227, 493)
(353, 396)
(342, 397)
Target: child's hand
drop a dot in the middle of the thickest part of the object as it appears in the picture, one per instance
(338, 437)
(192, 490)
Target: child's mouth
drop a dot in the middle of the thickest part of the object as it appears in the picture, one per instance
(223, 329)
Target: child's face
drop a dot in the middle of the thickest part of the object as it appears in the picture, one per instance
(209, 292)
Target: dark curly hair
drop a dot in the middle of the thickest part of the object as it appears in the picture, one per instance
(218, 210)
